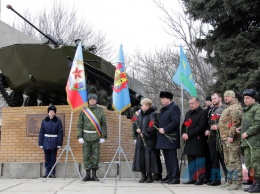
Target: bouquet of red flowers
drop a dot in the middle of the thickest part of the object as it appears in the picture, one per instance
(187, 124)
(214, 118)
(169, 136)
(134, 120)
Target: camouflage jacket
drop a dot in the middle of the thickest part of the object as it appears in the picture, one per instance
(251, 125)
(85, 124)
(230, 119)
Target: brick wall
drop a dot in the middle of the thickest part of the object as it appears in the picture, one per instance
(16, 146)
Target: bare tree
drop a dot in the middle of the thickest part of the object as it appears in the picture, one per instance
(181, 27)
(156, 70)
(62, 22)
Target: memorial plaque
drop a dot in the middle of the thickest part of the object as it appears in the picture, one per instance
(34, 121)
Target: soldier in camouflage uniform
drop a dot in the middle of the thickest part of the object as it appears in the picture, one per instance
(230, 119)
(250, 141)
(89, 137)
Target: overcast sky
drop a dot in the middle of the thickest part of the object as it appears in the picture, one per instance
(134, 23)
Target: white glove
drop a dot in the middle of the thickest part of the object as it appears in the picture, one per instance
(58, 147)
(102, 140)
(41, 147)
(135, 141)
(81, 140)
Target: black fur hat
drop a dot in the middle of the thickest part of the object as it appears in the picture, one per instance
(52, 108)
(250, 92)
(208, 98)
(166, 94)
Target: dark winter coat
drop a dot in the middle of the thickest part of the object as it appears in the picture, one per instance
(195, 145)
(170, 122)
(251, 125)
(51, 127)
(145, 156)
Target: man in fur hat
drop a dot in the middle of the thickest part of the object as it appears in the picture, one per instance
(50, 139)
(169, 123)
(250, 130)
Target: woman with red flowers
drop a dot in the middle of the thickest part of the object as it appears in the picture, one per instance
(145, 160)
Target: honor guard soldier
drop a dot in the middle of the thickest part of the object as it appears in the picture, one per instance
(91, 131)
(50, 139)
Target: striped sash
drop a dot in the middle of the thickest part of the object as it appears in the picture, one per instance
(93, 120)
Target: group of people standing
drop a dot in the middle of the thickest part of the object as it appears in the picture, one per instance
(212, 136)
(234, 133)
(153, 132)
(91, 132)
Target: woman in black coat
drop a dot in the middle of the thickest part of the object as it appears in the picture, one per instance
(145, 160)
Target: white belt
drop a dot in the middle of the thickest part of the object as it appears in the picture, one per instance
(90, 131)
(49, 135)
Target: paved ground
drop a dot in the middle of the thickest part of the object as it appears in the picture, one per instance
(110, 186)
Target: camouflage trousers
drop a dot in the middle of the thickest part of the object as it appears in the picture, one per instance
(232, 158)
(91, 153)
(252, 160)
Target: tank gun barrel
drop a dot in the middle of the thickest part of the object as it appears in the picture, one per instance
(46, 36)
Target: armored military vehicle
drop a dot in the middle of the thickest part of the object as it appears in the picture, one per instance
(37, 73)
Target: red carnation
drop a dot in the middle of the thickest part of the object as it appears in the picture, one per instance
(215, 117)
(230, 125)
(151, 124)
(188, 123)
(134, 119)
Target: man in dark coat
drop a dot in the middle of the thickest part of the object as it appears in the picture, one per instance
(207, 176)
(216, 151)
(194, 137)
(169, 124)
(50, 139)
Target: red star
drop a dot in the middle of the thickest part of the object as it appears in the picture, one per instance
(77, 73)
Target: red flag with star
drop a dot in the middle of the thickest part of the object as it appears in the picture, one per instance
(76, 87)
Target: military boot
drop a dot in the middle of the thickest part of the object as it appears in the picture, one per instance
(149, 178)
(227, 184)
(87, 177)
(256, 188)
(236, 185)
(251, 186)
(94, 177)
(143, 178)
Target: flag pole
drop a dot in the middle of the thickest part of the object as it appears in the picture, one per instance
(69, 149)
(182, 107)
(121, 101)
(119, 145)
(182, 120)
(119, 151)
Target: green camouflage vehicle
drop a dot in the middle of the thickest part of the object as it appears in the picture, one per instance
(37, 73)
